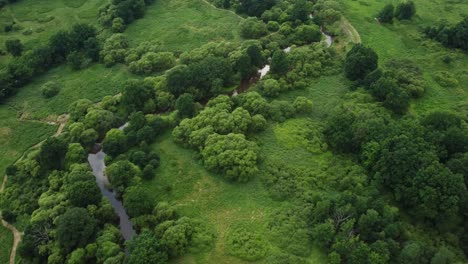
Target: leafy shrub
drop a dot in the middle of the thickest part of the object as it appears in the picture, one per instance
(445, 79)
(253, 28)
(50, 89)
(246, 244)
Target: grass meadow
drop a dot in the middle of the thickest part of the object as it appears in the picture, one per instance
(404, 40)
(36, 20)
(182, 25)
(6, 240)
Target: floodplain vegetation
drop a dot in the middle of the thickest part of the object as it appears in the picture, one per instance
(234, 132)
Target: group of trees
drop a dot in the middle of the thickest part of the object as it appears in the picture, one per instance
(452, 36)
(417, 160)
(394, 86)
(119, 13)
(404, 10)
(80, 38)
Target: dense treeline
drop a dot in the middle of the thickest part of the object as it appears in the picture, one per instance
(417, 161)
(452, 36)
(78, 46)
(80, 38)
(394, 85)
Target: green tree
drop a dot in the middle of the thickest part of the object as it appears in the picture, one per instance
(302, 104)
(52, 154)
(84, 193)
(135, 93)
(75, 154)
(255, 55)
(79, 108)
(75, 228)
(386, 14)
(138, 201)
(75, 59)
(146, 248)
(270, 87)
(306, 34)
(185, 105)
(14, 47)
(121, 174)
(359, 62)
(300, 11)
(405, 10)
(50, 89)
(232, 155)
(279, 63)
(252, 28)
(115, 142)
(99, 120)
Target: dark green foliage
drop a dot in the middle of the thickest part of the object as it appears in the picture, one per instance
(306, 34)
(255, 55)
(121, 174)
(387, 13)
(14, 47)
(75, 228)
(146, 249)
(50, 89)
(204, 78)
(405, 10)
(246, 244)
(360, 61)
(281, 110)
(231, 155)
(254, 8)
(253, 28)
(84, 193)
(452, 36)
(138, 201)
(135, 93)
(300, 11)
(148, 172)
(115, 142)
(23, 68)
(52, 154)
(75, 60)
(185, 105)
(279, 63)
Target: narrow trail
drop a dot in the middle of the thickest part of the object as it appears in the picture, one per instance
(16, 240)
(62, 120)
(222, 9)
(350, 31)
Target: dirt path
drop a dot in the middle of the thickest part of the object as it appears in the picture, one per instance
(350, 31)
(62, 121)
(16, 240)
(16, 233)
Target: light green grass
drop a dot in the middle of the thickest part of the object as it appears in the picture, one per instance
(182, 180)
(403, 40)
(181, 25)
(17, 136)
(92, 83)
(6, 241)
(36, 15)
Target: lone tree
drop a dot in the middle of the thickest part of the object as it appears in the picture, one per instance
(387, 13)
(14, 47)
(405, 10)
(359, 62)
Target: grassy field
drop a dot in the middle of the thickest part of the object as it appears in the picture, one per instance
(404, 40)
(6, 240)
(42, 18)
(182, 180)
(92, 83)
(181, 25)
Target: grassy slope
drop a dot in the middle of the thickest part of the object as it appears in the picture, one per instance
(181, 25)
(404, 40)
(182, 180)
(44, 18)
(6, 240)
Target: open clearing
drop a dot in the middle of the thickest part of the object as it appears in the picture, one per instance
(403, 40)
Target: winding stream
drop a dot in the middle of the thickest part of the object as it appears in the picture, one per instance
(98, 165)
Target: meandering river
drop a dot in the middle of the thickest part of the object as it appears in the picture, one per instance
(98, 165)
